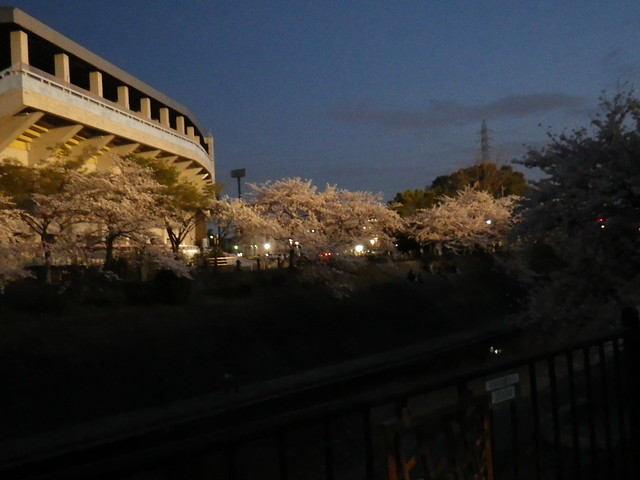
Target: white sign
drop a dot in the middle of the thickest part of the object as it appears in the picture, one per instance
(504, 394)
(501, 382)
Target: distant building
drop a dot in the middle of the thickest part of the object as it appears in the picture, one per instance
(54, 92)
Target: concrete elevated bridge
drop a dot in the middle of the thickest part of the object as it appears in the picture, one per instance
(56, 94)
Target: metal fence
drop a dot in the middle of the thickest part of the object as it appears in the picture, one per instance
(562, 415)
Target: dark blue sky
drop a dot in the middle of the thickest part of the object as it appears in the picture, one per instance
(370, 95)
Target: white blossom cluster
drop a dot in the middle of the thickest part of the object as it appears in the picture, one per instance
(294, 212)
(471, 220)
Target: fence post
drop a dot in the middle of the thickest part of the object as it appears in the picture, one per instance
(631, 322)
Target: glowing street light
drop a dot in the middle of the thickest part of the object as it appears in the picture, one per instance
(359, 249)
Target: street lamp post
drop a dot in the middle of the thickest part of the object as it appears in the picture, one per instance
(238, 174)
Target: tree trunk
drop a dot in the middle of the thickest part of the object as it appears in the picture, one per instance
(292, 254)
(175, 241)
(47, 259)
(109, 261)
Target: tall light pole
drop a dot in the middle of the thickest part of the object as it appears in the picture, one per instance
(239, 174)
(484, 143)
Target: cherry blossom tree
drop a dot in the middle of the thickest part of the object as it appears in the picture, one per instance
(584, 215)
(293, 211)
(499, 181)
(67, 206)
(349, 218)
(182, 204)
(288, 209)
(15, 252)
(236, 215)
(470, 220)
(46, 201)
(120, 204)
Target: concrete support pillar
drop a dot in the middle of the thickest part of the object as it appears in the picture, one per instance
(210, 144)
(62, 71)
(91, 148)
(50, 142)
(12, 127)
(168, 159)
(145, 107)
(180, 124)
(181, 165)
(124, 149)
(149, 154)
(123, 96)
(95, 83)
(164, 117)
(19, 48)
(192, 173)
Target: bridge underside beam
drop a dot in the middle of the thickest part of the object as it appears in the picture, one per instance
(13, 127)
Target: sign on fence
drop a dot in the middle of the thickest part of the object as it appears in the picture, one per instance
(503, 388)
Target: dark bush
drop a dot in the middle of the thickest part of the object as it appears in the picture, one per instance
(235, 290)
(91, 286)
(172, 289)
(35, 296)
(543, 259)
(139, 293)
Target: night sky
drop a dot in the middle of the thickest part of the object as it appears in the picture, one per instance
(381, 96)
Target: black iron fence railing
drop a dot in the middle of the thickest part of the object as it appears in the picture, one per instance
(564, 414)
